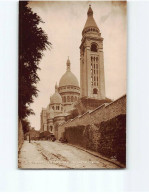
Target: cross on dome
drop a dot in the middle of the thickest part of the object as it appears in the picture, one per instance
(90, 11)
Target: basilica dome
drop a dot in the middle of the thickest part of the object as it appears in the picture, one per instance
(69, 87)
(68, 78)
(56, 98)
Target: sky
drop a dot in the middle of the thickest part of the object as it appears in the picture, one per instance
(63, 23)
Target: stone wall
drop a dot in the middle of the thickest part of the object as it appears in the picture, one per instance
(84, 136)
(102, 113)
(108, 137)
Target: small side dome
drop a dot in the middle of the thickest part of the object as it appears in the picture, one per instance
(56, 98)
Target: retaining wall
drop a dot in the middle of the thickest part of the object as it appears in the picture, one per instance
(102, 113)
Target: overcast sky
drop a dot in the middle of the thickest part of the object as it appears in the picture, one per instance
(64, 22)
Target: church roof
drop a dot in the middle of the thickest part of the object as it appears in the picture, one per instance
(56, 97)
(90, 20)
(68, 78)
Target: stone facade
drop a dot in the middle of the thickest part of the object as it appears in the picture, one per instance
(61, 102)
(90, 96)
(69, 88)
(92, 81)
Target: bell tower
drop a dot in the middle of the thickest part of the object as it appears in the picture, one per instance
(92, 81)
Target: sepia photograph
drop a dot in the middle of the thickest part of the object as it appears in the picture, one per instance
(72, 71)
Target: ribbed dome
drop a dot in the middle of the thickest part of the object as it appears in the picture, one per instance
(68, 78)
(56, 98)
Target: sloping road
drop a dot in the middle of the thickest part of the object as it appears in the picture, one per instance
(55, 155)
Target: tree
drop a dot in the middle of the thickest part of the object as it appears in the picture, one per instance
(32, 42)
(26, 126)
(74, 113)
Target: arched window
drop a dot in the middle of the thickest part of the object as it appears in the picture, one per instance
(64, 99)
(95, 91)
(75, 98)
(53, 107)
(51, 128)
(94, 47)
(71, 98)
(68, 99)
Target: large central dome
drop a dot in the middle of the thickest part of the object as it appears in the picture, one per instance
(68, 78)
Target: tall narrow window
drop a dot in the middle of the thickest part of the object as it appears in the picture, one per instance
(64, 99)
(68, 99)
(71, 98)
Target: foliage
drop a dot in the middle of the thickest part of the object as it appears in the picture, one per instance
(74, 134)
(74, 113)
(112, 141)
(32, 42)
(26, 125)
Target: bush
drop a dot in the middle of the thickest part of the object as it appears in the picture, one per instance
(112, 141)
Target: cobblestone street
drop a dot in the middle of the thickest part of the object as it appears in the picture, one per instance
(46, 154)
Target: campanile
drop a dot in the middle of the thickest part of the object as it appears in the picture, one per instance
(92, 81)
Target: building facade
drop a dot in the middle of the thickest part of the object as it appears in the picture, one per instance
(92, 79)
(61, 102)
(92, 82)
